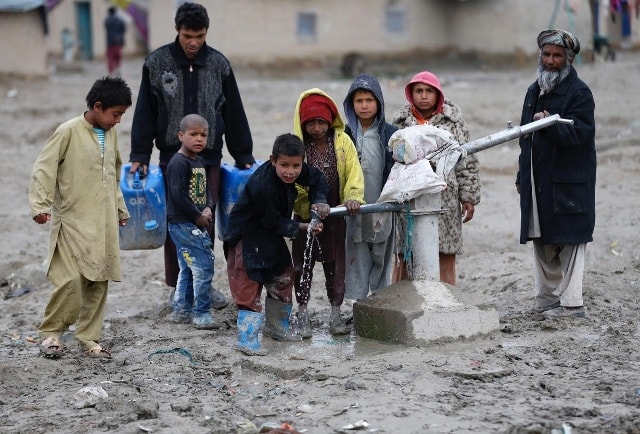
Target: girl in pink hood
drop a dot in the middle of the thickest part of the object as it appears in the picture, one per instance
(427, 105)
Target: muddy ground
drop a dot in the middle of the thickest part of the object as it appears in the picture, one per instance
(532, 376)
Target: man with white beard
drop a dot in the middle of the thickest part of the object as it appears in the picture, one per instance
(557, 176)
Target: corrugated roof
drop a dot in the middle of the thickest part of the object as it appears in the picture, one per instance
(20, 5)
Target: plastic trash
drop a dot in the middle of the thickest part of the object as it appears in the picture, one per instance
(89, 396)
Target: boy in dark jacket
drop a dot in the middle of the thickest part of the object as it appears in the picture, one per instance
(256, 252)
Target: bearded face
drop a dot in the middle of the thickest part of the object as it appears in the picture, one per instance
(553, 67)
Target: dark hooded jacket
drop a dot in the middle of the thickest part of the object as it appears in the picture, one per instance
(261, 218)
(385, 129)
(564, 164)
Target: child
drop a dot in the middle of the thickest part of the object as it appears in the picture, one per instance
(75, 185)
(330, 149)
(189, 214)
(369, 245)
(256, 252)
(427, 105)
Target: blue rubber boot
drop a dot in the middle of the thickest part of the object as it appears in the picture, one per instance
(279, 325)
(249, 324)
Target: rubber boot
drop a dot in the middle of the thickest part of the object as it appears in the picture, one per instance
(249, 324)
(304, 323)
(278, 324)
(337, 326)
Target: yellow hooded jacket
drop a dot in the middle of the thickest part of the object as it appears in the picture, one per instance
(350, 177)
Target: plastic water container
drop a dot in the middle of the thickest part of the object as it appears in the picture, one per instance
(146, 201)
(232, 182)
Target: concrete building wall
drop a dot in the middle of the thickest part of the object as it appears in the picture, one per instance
(262, 30)
(26, 56)
(265, 31)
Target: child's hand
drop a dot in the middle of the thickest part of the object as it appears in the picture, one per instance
(205, 219)
(42, 218)
(322, 209)
(316, 228)
(352, 206)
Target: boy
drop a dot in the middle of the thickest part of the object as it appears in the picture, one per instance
(256, 252)
(189, 213)
(330, 149)
(75, 185)
(369, 245)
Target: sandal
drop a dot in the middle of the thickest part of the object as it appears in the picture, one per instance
(98, 352)
(52, 348)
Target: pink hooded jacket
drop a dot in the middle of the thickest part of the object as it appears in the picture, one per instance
(430, 79)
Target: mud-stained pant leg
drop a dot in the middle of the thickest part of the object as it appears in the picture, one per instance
(358, 258)
(335, 274)
(245, 292)
(281, 288)
(65, 301)
(558, 273)
(89, 325)
(382, 265)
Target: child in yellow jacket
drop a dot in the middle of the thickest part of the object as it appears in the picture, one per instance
(328, 148)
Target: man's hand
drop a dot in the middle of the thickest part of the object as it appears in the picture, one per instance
(540, 115)
(135, 165)
(42, 218)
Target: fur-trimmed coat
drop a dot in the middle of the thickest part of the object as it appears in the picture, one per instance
(463, 183)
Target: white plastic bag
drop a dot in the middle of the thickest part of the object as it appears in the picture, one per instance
(408, 181)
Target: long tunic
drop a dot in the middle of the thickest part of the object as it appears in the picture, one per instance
(80, 189)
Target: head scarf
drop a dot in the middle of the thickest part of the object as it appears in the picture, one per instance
(317, 106)
(430, 79)
(561, 38)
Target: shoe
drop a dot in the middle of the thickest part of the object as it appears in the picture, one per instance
(565, 312)
(178, 317)
(542, 309)
(204, 322)
(303, 323)
(278, 325)
(52, 348)
(218, 300)
(337, 326)
(249, 324)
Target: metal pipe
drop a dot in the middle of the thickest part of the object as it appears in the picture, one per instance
(513, 133)
(369, 208)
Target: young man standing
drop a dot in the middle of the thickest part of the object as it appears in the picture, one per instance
(185, 77)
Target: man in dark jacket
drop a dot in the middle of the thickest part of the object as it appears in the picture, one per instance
(557, 176)
(180, 78)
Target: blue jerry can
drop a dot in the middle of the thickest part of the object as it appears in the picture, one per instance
(146, 201)
(232, 182)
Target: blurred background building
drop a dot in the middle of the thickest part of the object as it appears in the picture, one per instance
(336, 35)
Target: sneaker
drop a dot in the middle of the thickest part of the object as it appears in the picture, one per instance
(542, 309)
(204, 322)
(178, 317)
(218, 300)
(565, 312)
